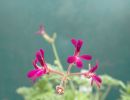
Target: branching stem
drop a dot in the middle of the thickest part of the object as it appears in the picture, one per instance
(56, 72)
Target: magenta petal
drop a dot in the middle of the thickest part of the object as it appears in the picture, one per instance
(39, 58)
(79, 63)
(31, 73)
(34, 74)
(42, 52)
(80, 42)
(74, 42)
(71, 59)
(98, 84)
(79, 45)
(41, 72)
(34, 63)
(97, 78)
(93, 69)
(86, 57)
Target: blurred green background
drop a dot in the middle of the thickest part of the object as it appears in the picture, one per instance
(104, 25)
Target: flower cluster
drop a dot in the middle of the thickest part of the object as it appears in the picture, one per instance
(41, 67)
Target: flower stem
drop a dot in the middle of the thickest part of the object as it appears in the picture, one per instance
(56, 72)
(72, 86)
(97, 95)
(69, 68)
(106, 93)
(47, 38)
(56, 55)
(78, 74)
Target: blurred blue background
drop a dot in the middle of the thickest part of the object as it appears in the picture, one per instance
(104, 25)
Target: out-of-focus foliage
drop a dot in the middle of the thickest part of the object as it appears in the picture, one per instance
(125, 93)
(77, 88)
(107, 80)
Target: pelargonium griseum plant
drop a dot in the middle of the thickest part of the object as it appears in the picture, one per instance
(42, 68)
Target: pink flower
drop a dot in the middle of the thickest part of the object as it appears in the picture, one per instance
(91, 74)
(41, 30)
(76, 58)
(38, 71)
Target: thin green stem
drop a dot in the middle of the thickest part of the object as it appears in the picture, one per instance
(97, 95)
(72, 86)
(56, 56)
(106, 93)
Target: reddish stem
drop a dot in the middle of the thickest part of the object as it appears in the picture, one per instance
(56, 72)
(77, 74)
(69, 68)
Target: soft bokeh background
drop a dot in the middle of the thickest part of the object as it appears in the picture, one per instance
(104, 25)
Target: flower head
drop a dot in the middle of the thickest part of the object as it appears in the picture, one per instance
(41, 30)
(38, 71)
(91, 74)
(76, 58)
